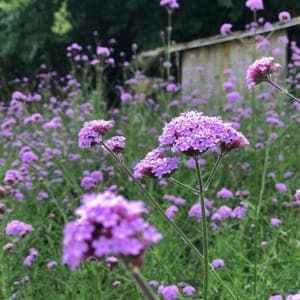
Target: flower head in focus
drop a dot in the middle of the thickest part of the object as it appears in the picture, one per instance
(156, 165)
(260, 70)
(92, 132)
(193, 133)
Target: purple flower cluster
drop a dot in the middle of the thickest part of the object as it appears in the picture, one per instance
(217, 263)
(17, 227)
(255, 4)
(108, 224)
(102, 51)
(224, 194)
(193, 133)
(12, 177)
(92, 132)
(284, 16)
(260, 70)
(225, 29)
(169, 292)
(28, 261)
(89, 180)
(156, 165)
(172, 4)
(116, 143)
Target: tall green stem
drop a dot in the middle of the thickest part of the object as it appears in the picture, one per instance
(204, 229)
(257, 212)
(182, 235)
(253, 115)
(169, 34)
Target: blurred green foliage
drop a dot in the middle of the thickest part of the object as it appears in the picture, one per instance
(34, 31)
(62, 23)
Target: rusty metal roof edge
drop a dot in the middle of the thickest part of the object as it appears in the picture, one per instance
(217, 39)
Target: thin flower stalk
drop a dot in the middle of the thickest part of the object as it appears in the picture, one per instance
(282, 90)
(185, 186)
(139, 281)
(257, 213)
(204, 230)
(213, 171)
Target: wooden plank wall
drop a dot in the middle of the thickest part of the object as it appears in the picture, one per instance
(202, 68)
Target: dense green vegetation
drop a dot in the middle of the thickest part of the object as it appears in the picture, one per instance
(35, 32)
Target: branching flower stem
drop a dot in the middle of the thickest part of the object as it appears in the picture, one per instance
(182, 235)
(208, 181)
(185, 186)
(214, 169)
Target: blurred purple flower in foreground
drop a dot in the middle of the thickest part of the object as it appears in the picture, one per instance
(108, 224)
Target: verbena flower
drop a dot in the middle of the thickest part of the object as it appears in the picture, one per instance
(225, 29)
(173, 4)
(156, 165)
(116, 144)
(17, 227)
(171, 211)
(276, 297)
(8, 246)
(255, 4)
(297, 195)
(217, 263)
(188, 290)
(169, 292)
(51, 264)
(281, 187)
(92, 132)
(224, 194)
(260, 70)
(193, 133)
(275, 222)
(284, 16)
(28, 261)
(102, 51)
(293, 297)
(108, 224)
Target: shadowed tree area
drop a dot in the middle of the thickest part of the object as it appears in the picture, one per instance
(35, 32)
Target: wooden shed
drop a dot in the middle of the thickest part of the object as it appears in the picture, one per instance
(202, 62)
